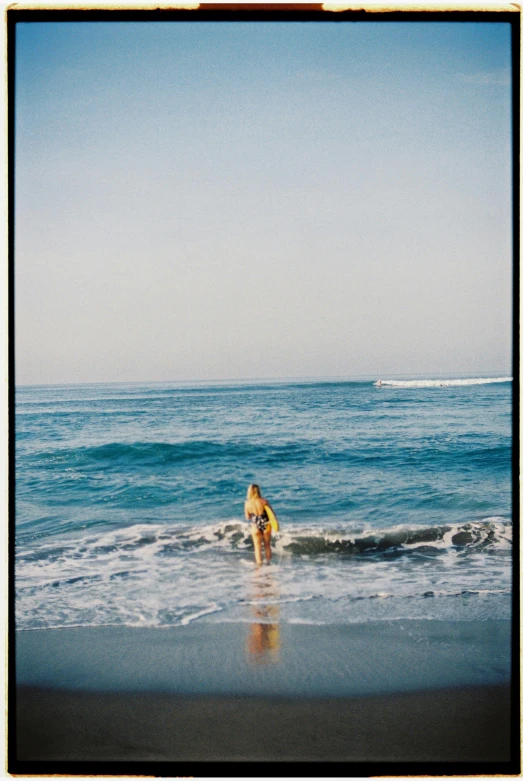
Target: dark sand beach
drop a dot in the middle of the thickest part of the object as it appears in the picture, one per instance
(421, 695)
(445, 725)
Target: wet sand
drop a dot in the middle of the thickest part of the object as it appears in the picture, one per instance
(390, 695)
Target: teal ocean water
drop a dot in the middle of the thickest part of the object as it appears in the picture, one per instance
(395, 501)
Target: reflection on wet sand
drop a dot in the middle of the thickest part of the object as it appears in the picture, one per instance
(263, 642)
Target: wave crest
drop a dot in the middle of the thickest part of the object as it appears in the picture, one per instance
(440, 383)
(465, 537)
(230, 536)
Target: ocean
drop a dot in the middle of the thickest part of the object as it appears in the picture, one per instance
(394, 502)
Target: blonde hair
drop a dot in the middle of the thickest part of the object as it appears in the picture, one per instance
(253, 492)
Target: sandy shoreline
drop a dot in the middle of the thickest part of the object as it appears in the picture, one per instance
(449, 725)
(268, 659)
(424, 693)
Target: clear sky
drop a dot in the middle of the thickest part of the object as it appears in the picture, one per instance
(259, 200)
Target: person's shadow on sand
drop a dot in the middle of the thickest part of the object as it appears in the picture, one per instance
(263, 642)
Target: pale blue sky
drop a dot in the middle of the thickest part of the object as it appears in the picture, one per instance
(227, 200)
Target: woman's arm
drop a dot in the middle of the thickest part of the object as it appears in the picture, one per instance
(246, 511)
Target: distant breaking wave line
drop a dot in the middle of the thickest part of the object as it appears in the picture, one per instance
(439, 383)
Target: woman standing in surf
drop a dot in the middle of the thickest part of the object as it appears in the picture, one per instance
(256, 511)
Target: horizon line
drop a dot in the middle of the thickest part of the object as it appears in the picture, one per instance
(289, 379)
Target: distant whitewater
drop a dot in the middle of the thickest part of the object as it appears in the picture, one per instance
(440, 383)
(129, 502)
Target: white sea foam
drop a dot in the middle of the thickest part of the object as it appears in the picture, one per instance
(440, 383)
(161, 575)
(204, 612)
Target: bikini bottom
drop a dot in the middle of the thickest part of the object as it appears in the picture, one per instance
(260, 521)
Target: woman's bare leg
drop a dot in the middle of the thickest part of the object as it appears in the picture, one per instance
(267, 543)
(257, 540)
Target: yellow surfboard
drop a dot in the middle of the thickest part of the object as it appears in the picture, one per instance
(275, 526)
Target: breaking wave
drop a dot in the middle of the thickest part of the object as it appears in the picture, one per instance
(169, 575)
(439, 383)
(162, 541)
